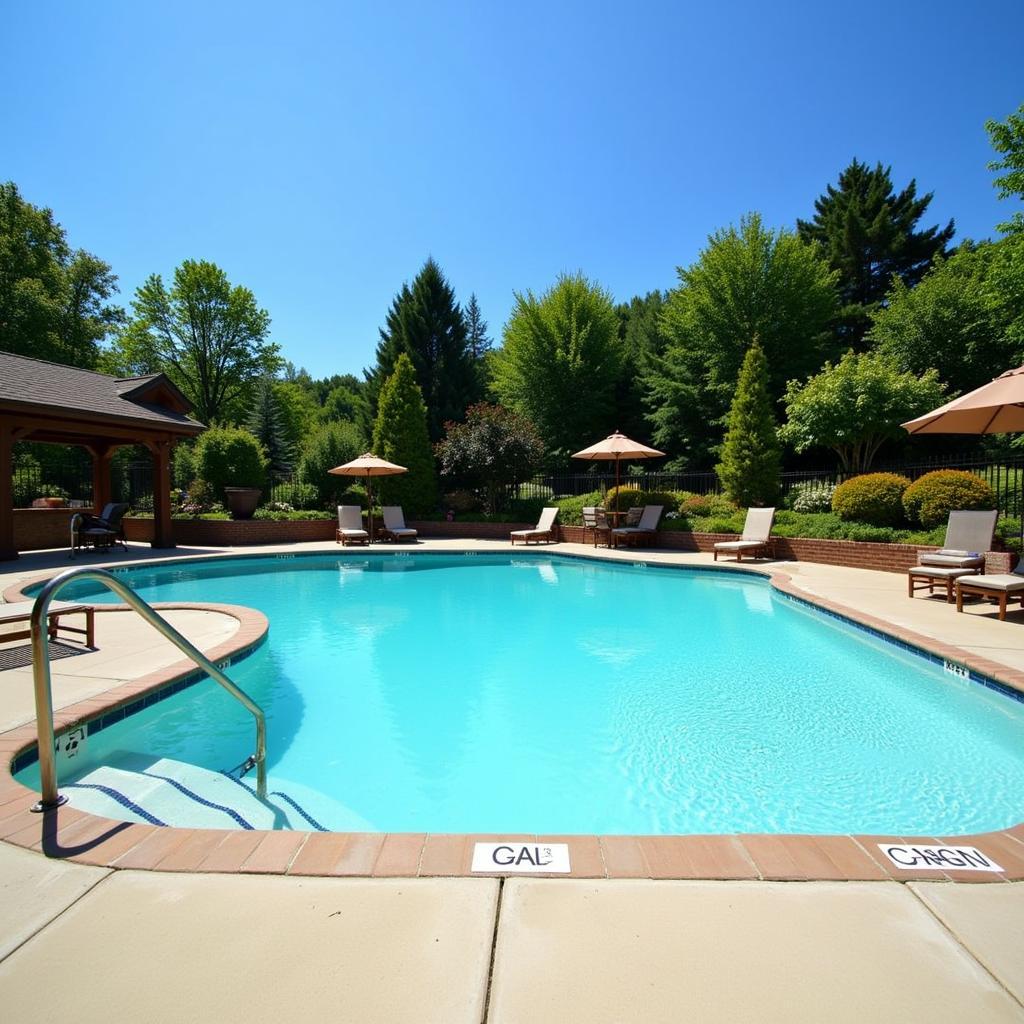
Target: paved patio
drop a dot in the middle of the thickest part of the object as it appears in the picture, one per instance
(103, 944)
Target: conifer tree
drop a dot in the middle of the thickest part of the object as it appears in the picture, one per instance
(427, 324)
(267, 424)
(751, 458)
(400, 435)
(868, 233)
(476, 329)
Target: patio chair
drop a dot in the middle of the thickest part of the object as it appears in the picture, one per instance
(968, 537)
(394, 527)
(1002, 587)
(643, 531)
(544, 530)
(756, 536)
(100, 532)
(590, 522)
(350, 526)
(634, 515)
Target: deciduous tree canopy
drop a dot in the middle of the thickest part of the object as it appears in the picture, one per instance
(53, 299)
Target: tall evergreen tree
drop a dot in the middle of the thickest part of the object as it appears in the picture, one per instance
(400, 435)
(266, 422)
(749, 282)
(869, 233)
(476, 329)
(427, 324)
(643, 343)
(751, 457)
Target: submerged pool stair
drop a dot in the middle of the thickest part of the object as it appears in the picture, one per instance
(168, 792)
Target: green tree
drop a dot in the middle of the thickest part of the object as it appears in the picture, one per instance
(266, 424)
(229, 457)
(751, 458)
(1007, 139)
(207, 335)
(476, 330)
(299, 412)
(330, 445)
(855, 406)
(400, 435)
(492, 450)
(427, 324)
(643, 343)
(560, 362)
(53, 299)
(965, 318)
(869, 233)
(748, 282)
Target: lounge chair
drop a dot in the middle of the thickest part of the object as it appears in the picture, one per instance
(350, 526)
(1002, 587)
(968, 537)
(100, 532)
(544, 530)
(756, 536)
(394, 527)
(644, 530)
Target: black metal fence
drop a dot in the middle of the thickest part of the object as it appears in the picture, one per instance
(68, 474)
(1005, 476)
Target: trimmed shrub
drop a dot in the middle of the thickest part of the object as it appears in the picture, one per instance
(873, 498)
(812, 496)
(628, 496)
(700, 506)
(277, 515)
(570, 510)
(930, 498)
(229, 457)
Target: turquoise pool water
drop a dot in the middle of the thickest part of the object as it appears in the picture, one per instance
(488, 693)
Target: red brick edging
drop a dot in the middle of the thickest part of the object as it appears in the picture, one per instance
(67, 833)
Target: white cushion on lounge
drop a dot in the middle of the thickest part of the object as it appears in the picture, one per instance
(958, 559)
(1006, 582)
(350, 519)
(943, 572)
(738, 545)
(394, 522)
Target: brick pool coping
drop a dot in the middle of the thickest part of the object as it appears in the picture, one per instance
(69, 834)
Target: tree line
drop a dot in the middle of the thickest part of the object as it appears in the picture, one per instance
(858, 315)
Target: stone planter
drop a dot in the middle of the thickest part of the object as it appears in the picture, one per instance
(242, 501)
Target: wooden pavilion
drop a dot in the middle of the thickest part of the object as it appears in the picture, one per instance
(57, 404)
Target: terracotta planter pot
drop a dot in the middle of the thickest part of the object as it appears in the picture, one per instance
(242, 501)
(54, 502)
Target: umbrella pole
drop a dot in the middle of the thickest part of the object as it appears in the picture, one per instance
(369, 505)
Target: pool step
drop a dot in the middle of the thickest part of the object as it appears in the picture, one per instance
(169, 792)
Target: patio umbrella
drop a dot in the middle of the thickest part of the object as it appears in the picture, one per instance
(368, 466)
(995, 408)
(616, 447)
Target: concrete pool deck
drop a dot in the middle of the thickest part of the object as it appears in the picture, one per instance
(223, 946)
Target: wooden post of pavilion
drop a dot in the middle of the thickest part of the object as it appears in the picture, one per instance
(163, 531)
(7, 548)
(102, 453)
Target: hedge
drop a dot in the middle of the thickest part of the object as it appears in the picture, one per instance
(873, 498)
(930, 498)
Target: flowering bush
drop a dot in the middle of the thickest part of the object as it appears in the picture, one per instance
(812, 496)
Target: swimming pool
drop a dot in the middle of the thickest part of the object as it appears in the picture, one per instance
(544, 694)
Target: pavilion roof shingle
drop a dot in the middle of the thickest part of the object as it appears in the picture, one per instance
(68, 389)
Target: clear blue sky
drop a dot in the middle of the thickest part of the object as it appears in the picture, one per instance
(320, 151)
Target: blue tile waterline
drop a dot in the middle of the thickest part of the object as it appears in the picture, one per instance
(251, 578)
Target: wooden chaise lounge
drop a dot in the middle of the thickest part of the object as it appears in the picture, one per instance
(543, 531)
(756, 536)
(968, 537)
(21, 611)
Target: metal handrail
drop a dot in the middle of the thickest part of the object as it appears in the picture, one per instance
(51, 797)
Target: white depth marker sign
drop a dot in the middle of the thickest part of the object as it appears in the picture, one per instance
(938, 858)
(521, 858)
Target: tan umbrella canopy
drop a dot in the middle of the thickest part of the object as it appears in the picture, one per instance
(368, 465)
(995, 408)
(616, 447)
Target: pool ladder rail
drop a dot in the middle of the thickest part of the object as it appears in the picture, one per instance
(51, 796)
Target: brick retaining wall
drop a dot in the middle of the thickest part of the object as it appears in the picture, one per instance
(36, 529)
(230, 533)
